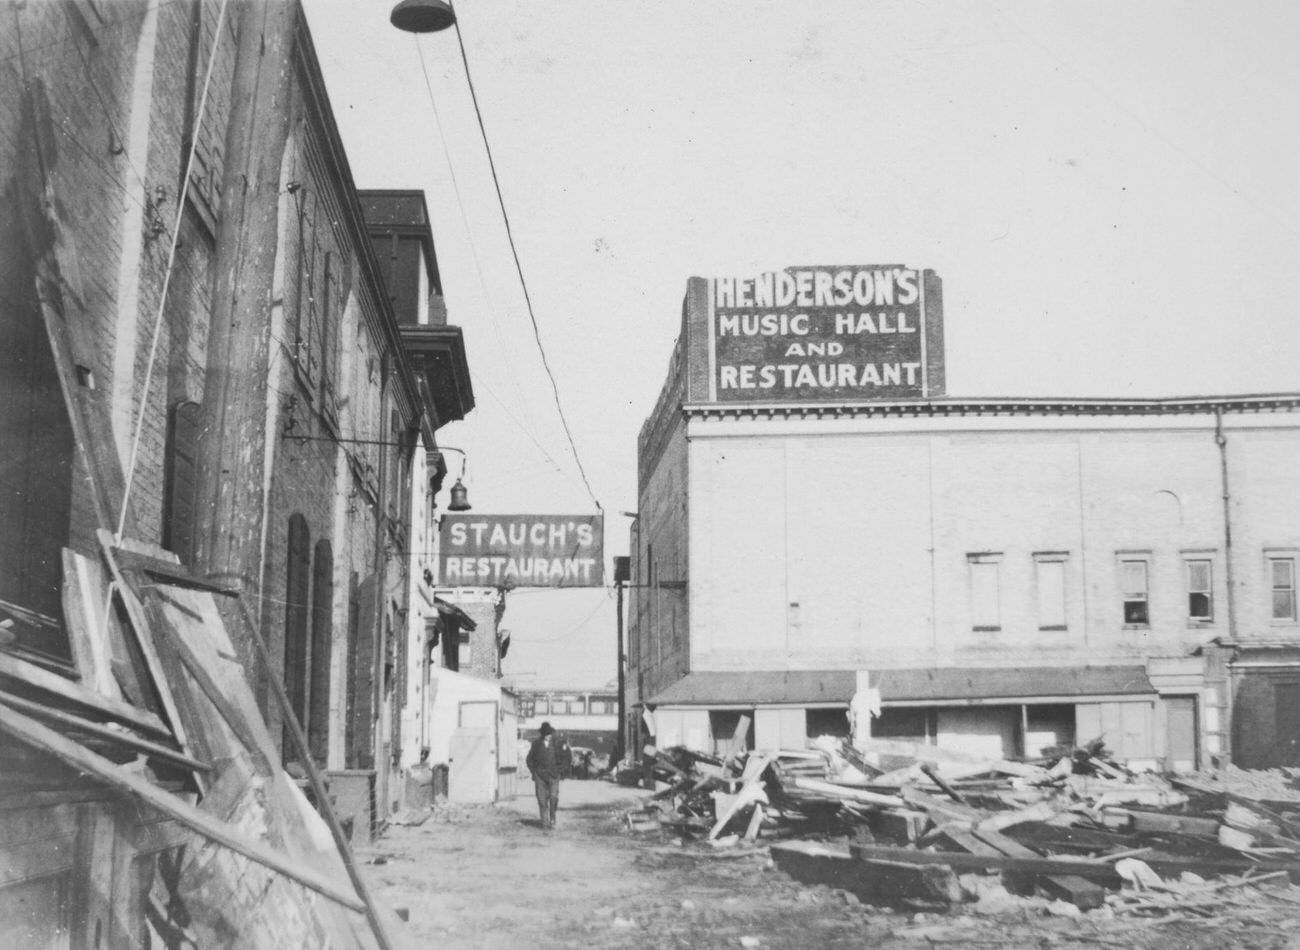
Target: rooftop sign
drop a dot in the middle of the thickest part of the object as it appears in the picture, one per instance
(521, 551)
(841, 334)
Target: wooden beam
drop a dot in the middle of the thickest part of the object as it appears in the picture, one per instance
(872, 880)
(42, 737)
(173, 574)
(1078, 890)
(124, 739)
(48, 682)
(83, 606)
(135, 612)
(1095, 870)
(229, 711)
(831, 790)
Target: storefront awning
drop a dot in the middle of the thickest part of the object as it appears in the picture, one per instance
(911, 687)
(453, 614)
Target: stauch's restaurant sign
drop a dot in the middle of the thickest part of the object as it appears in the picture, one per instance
(521, 551)
(826, 334)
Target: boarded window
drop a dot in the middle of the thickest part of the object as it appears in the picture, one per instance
(297, 612)
(1282, 580)
(322, 630)
(1050, 578)
(182, 461)
(984, 595)
(361, 672)
(1133, 590)
(36, 434)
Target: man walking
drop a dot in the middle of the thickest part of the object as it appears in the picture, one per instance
(548, 761)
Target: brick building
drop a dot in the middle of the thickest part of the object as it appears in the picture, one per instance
(1006, 575)
(265, 423)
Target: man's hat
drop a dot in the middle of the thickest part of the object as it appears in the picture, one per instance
(546, 729)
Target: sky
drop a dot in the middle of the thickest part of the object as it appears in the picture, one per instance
(1107, 189)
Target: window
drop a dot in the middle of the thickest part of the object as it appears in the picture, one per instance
(985, 612)
(1281, 572)
(1133, 591)
(1200, 590)
(1049, 572)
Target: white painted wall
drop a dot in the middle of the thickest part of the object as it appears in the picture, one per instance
(819, 545)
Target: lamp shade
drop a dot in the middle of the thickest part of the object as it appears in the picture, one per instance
(422, 16)
(459, 497)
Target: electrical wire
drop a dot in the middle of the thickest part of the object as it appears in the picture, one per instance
(469, 234)
(523, 284)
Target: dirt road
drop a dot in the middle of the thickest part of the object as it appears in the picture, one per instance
(490, 878)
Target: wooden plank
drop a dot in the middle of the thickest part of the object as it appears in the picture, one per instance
(144, 638)
(1079, 891)
(1037, 813)
(34, 676)
(83, 606)
(42, 737)
(231, 712)
(173, 573)
(1098, 871)
(87, 414)
(117, 737)
(755, 822)
(738, 739)
(1149, 822)
(939, 780)
(899, 824)
(831, 790)
(35, 859)
(751, 793)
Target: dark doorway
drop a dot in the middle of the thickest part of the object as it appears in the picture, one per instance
(36, 467)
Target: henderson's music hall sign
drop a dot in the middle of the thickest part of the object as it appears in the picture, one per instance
(521, 551)
(841, 334)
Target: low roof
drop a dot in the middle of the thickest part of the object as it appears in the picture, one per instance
(912, 686)
(454, 614)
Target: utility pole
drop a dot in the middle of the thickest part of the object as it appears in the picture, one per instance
(232, 449)
(622, 573)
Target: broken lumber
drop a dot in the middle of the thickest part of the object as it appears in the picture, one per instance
(1078, 890)
(126, 740)
(1099, 871)
(831, 790)
(33, 733)
(871, 880)
(44, 680)
(1150, 822)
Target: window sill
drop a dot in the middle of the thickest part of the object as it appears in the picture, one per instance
(1200, 624)
(980, 629)
(1137, 626)
(1054, 628)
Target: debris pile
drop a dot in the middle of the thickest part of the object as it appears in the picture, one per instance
(897, 823)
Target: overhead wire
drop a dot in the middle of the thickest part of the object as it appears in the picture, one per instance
(167, 274)
(469, 234)
(514, 252)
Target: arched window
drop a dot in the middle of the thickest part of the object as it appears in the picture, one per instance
(322, 635)
(297, 610)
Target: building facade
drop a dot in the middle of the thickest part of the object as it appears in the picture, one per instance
(204, 350)
(1001, 576)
